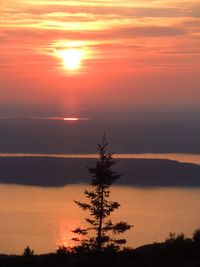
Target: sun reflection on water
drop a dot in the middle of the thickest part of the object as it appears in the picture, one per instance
(65, 234)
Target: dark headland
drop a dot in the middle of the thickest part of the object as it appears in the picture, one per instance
(45, 171)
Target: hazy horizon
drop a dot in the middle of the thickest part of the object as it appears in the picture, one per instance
(153, 129)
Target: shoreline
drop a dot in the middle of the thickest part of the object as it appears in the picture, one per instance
(180, 157)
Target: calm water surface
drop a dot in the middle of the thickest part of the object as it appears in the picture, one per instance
(44, 217)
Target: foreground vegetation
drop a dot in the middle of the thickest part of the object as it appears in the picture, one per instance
(176, 251)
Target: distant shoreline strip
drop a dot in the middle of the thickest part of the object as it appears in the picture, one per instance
(184, 158)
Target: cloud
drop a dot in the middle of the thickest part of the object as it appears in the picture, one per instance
(191, 23)
(42, 36)
(150, 31)
(110, 29)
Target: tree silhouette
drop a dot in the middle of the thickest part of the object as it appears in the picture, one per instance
(100, 208)
(28, 252)
(196, 236)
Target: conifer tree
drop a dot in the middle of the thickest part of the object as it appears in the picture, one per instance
(99, 206)
(28, 252)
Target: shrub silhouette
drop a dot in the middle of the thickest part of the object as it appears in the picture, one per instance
(177, 239)
(196, 236)
(63, 251)
(28, 252)
(173, 238)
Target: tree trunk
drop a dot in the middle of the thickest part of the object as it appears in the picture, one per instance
(99, 238)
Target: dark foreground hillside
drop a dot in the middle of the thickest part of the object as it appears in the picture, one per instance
(179, 253)
(46, 171)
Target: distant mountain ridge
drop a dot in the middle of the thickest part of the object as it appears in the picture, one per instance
(46, 171)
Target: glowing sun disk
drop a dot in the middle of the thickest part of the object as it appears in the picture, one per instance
(71, 58)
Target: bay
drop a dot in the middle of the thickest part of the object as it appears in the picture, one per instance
(44, 217)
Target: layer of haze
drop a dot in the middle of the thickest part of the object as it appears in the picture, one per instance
(68, 57)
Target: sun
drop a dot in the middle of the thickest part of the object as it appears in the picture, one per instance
(71, 58)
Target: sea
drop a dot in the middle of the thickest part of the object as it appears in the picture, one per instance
(44, 217)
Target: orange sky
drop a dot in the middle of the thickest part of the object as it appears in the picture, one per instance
(80, 54)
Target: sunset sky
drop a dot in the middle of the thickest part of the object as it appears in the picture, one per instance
(74, 73)
(66, 57)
